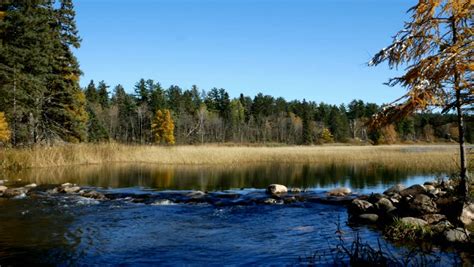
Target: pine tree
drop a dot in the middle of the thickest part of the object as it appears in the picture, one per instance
(437, 46)
(163, 127)
(103, 94)
(5, 133)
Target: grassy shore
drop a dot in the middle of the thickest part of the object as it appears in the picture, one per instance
(433, 157)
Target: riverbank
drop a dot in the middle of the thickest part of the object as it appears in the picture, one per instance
(423, 157)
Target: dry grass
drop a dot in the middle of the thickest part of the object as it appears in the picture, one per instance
(432, 157)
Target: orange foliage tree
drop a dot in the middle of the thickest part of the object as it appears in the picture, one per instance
(163, 127)
(4, 130)
(437, 46)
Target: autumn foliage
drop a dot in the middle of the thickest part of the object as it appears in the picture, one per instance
(4, 130)
(163, 127)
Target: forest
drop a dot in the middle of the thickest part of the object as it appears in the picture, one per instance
(43, 102)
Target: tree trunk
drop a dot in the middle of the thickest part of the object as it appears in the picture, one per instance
(463, 186)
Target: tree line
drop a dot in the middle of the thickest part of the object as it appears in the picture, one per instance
(213, 116)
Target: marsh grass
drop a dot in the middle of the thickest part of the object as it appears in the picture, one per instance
(401, 231)
(419, 157)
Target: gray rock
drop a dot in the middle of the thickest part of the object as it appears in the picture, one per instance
(384, 205)
(71, 190)
(359, 206)
(413, 190)
(413, 221)
(422, 204)
(341, 191)
(276, 189)
(433, 183)
(15, 192)
(368, 218)
(467, 215)
(93, 194)
(441, 227)
(434, 218)
(296, 190)
(394, 189)
(458, 235)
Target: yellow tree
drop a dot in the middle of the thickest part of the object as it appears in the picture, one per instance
(163, 127)
(437, 46)
(4, 130)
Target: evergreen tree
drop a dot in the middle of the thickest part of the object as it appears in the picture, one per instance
(103, 94)
(91, 93)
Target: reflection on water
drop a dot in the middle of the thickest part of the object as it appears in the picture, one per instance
(66, 230)
(211, 178)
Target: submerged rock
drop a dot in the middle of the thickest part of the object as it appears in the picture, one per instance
(368, 218)
(341, 191)
(275, 189)
(93, 194)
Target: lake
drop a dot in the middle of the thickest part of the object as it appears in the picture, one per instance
(70, 230)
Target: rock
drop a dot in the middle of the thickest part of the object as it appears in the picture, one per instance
(433, 183)
(422, 204)
(457, 235)
(71, 190)
(270, 201)
(66, 185)
(290, 199)
(3, 188)
(394, 189)
(384, 205)
(275, 189)
(441, 227)
(2, 182)
(195, 194)
(429, 187)
(467, 215)
(296, 190)
(359, 206)
(374, 198)
(434, 218)
(94, 195)
(341, 191)
(368, 218)
(413, 190)
(15, 192)
(33, 185)
(413, 221)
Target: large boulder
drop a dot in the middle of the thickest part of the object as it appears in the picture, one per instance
(396, 189)
(339, 192)
(422, 204)
(384, 205)
(276, 189)
(413, 221)
(467, 215)
(359, 206)
(413, 190)
(458, 235)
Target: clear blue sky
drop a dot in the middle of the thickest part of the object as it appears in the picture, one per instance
(294, 48)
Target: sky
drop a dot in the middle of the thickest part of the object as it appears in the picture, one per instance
(317, 50)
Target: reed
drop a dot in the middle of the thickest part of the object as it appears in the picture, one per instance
(427, 157)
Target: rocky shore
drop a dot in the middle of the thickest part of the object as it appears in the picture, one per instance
(429, 212)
